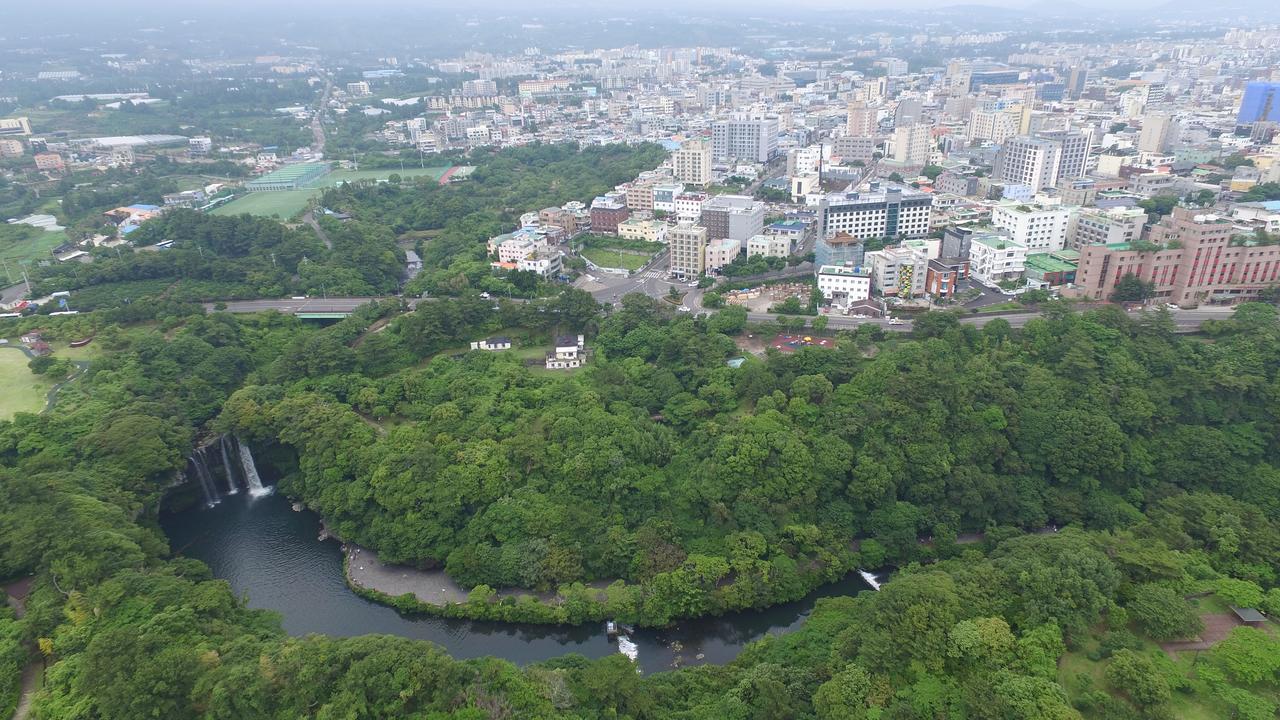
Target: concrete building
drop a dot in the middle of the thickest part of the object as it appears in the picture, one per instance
(997, 126)
(359, 89)
(721, 252)
(755, 140)
(855, 149)
(14, 126)
(1052, 269)
(689, 206)
(733, 216)
(547, 263)
(1039, 228)
(1203, 266)
(692, 163)
(768, 246)
(646, 230)
(994, 258)
(664, 196)
(569, 353)
(943, 276)
(911, 145)
(607, 211)
(839, 249)
(199, 146)
(882, 211)
(1026, 160)
(900, 270)
(863, 119)
(1091, 226)
(10, 148)
(1073, 153)
(688, 244)
(844, 284)
(1158, 133)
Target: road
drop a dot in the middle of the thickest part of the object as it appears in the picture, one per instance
(289, 305)
(1185, 320)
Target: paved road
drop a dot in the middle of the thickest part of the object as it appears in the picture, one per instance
(288, 305)
(1185, 320)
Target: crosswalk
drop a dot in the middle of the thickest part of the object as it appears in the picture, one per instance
(653, 273)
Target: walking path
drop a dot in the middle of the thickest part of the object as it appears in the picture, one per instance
(16, 597)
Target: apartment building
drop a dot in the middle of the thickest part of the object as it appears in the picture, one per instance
(1090, 226)
(852, 149)
(688, 244)
(900, 270)
(911, 145)
(10, 148)
(754, 140)
(689, 206)
(664, 196)
(997, 126)
(733, 216)
(768, 246)
(863, 119)
(1039, 228)
(692, 163)
(646, 230)
(1042, 161)
(1202, 266)
(881, 211)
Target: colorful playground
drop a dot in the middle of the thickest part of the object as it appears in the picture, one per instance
(791, 343)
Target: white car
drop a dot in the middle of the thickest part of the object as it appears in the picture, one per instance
(683, 308)
(896, 321)
(1171, 306)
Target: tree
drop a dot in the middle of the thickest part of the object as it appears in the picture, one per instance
(1137, 677)
(844, 696)
(932, 171)
(1162, 613)
(1248, 656)
(895, 177)
(40, 364)
(820, 324)
(1131, 288)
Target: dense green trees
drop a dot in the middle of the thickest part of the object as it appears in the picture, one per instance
(706, 487)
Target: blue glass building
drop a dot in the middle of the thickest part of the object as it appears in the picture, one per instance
(1261, 103)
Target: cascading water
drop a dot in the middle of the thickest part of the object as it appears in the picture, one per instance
(227, 468)
(251, 478)
(871, 579)
(205, 478)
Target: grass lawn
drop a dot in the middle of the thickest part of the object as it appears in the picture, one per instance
(20, 391)
(289, 203)
(615, 258)
(286, 204)
(62, 349)
(1002, 307)
(21, 244)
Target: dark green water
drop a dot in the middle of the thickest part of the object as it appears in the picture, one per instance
(269, 552)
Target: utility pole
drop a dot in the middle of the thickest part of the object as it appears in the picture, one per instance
(8, 277)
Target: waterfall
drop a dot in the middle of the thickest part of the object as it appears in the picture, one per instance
(251, 478)
(201, 466)
(232, 489)
(870, 579)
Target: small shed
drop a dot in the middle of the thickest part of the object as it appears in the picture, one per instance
(1249, 616)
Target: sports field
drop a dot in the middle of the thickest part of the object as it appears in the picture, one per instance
(20, 390)
(289, 203)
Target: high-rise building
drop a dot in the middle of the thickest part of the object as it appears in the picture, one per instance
(911, 145)
(1261, 103)
(994, 125)
(688, 243)
(1158, 132)
(1076, 80)
(864, 119)
(1026, 160)
(732, 216)
(692, 163)
(880, 212)
(1091, 226)
(755, 140)
(1073, 151)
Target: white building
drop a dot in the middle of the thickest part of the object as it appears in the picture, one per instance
(1028, 161)
(568, 353)
(882, 211)
(844, 284)
(358, 89)
(547, 263)
(721, 252)
(901, 270)
(993, 258)
(911, 145)
(1040, 228)
(664, 196)
(1093, 226)
(994, 125)
(494, 344)
(768, 246)
(689, 206)
(745, 139)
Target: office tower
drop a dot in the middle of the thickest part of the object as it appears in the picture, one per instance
(693, 163)
(994, 125)
(911, 145)
(1073, 151)
(1261, 103)
(863, 119)
(755, 140)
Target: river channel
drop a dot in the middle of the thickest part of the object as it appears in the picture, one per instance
(270, 552)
